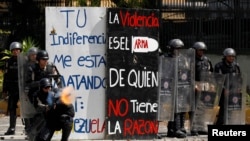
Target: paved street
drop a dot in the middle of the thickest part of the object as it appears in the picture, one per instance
(4, 124)
(20, 136)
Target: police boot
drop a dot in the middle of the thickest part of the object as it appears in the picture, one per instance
(178, 133)
(11, 130)
(193, 132)
(171, 129)
(182, 122)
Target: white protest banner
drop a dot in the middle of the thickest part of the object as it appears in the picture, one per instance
(75, 41)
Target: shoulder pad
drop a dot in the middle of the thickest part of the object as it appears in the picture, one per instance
(219, 64)
(207, 58)
(33, 67)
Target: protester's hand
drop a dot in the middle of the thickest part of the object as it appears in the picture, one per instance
(44, 107)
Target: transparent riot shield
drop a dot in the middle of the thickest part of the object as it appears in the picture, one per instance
(208, 92)
(26, 108)
(235, 97)
(185, 80)
(166, 102)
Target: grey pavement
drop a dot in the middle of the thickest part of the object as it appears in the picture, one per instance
(20, 136)
(4, 124)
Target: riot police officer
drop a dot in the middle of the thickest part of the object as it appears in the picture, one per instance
(29, 59)
(42, 69)
(31, 55)
(57, 115)
(176, 127)
(41, 104)
(227, 65)
(202, 64)
(10, 85)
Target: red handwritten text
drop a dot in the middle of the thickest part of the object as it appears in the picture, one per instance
(139, 127)
(140, 43)
(116, 109)
(135, 20)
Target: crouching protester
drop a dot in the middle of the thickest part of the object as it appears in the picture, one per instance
(53, 114)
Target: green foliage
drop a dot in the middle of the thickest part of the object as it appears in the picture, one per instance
(6, 55)
(95, 2)
(27, 43)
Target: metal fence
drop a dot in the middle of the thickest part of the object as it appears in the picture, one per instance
(219, 23)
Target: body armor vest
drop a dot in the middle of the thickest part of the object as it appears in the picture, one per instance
(202, 64)
(224, 68)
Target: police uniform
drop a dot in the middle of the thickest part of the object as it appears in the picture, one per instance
(225, 67)
(10, 86)
(36, 73)
(42, 103)
(57, 116)
(30, 60)
(202, 64)
(176, 127)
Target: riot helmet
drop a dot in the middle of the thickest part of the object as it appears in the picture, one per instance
(229, 52)
(200, 46)
(15, 45)
(32, 50)
(45, 82)
(176, 44)
(42, 54)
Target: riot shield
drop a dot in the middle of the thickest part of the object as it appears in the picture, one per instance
(208, 91)
(235, 97)
(26, 108)
(185, 80)
(166, 102)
